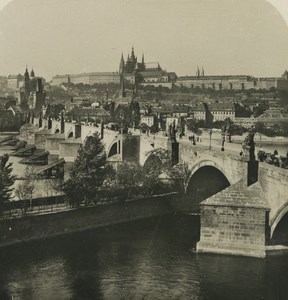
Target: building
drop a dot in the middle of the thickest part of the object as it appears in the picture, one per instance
(88, 114)
(32, 93)
(60, 79)
(199, 112)
(148, 119)
(233, 82)
(225, 82)
(165, 114)
(221, 111)
(14, 82)
(145, 73)
(87, 78)
(3, 83)
(273, 117)
(213, 112)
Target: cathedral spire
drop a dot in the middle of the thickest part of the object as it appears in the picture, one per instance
(26, 72)
(32, 74)
(142, 58)
(122, 63)
(198, 72)
(133, 58)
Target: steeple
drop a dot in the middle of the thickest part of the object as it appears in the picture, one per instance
(143, 58)
(202, 73)
(122, 63)
(26, 74)
(32, 74)
(27, 83)
(133, 58)
(198, 72)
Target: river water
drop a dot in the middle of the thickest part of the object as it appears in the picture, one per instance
(147, 259)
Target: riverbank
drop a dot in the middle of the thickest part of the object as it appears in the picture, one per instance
(28, 228)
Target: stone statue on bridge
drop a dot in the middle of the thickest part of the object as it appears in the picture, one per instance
(172, 132)
(226, 132)
(249, 144)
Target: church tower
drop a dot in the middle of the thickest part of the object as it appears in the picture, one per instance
(27, 83)
(122, 93)
(32, 74)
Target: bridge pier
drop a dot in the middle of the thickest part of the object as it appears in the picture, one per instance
(68, 149)
(40, 138)
(235, 221)
(52, 143)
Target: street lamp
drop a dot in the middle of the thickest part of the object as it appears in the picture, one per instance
(210, 135)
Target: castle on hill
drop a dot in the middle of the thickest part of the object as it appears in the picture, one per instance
(143, 73)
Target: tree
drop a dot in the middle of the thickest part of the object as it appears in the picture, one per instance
(26, 188)
(157, 168)
(195, 125)
(129, 176)
(179, 176)
(6, 179)
(88, 172)
(54, 110)
(259, 127)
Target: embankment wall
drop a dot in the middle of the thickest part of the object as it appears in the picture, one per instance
(52, 224)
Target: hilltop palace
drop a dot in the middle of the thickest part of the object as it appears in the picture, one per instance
(151, 74)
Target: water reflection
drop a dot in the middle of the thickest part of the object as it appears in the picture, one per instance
(148, 259)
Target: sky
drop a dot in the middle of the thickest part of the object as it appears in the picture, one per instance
(72, 36)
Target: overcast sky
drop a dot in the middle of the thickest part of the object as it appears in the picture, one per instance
(73, 36)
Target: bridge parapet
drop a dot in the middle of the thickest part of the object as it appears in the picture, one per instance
(233, 167)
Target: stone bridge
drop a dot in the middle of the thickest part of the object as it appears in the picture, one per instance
(219, 170)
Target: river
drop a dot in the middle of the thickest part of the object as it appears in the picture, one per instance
(147, 259)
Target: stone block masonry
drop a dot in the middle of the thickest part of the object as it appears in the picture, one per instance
(235, 221)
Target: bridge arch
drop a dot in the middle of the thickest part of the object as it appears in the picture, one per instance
(206, 179)
(114, 148)
(70, 134)
(210, 163)
(57, 130)
(150, 159)
(279, 220)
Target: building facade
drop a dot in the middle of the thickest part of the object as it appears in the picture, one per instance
(233, 82)
(87, 78)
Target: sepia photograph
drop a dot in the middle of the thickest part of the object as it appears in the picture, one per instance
(143, 149)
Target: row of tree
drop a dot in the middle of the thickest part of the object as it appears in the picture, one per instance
(278, 129)
(196, 125)
(92, 178)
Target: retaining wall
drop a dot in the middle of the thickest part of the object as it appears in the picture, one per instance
(58, 223)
